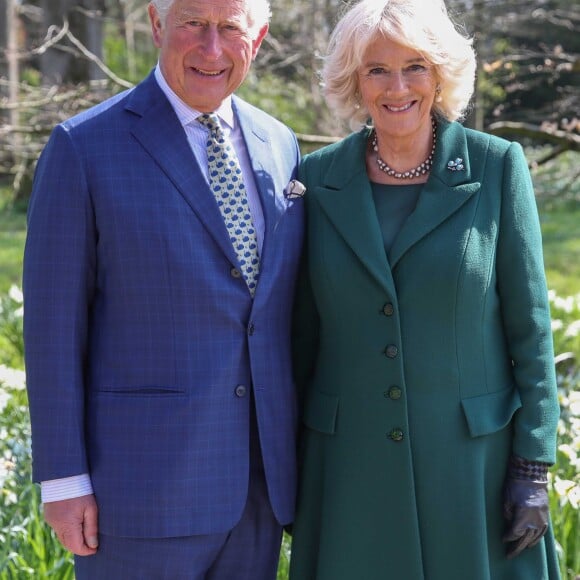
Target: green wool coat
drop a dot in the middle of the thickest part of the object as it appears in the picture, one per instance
(422, 370)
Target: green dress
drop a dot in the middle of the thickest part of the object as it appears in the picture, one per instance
(421, 368)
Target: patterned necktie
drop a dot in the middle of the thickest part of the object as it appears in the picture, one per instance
(226, 183)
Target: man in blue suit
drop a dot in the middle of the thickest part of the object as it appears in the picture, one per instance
(161, 398)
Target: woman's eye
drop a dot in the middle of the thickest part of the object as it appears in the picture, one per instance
(417, 68)
(377, 71)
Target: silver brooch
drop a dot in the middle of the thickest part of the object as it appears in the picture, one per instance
(294, 189)
(456, 165)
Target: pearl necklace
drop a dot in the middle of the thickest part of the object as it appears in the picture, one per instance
(418, 171)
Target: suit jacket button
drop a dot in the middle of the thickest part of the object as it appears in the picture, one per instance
(394, 393)
(391, 351)
(396, 435)
(235, 273)
(251, 329)
(388, 309)
(240, 391)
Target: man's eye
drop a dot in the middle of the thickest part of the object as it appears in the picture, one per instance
(232, 28)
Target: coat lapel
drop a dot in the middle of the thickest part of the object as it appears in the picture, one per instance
(347, 200)
(443, 194)
(162, 136)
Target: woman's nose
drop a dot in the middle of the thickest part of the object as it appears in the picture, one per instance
(396, 81)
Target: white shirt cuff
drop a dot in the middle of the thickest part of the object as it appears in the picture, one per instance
(66, 488)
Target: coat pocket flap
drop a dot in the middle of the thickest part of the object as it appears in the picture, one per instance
(320, 412)
(491, 412)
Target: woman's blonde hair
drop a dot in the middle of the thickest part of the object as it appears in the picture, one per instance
(422, 25)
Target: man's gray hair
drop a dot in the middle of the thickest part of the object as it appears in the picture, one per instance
(259, 12)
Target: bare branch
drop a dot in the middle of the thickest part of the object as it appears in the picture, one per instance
(95, 59)
(570, 140)
(52, 40)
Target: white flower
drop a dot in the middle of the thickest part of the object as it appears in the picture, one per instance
(4, 398)
(574, 497)
(573, 329)
(563, 487)
(574, 403)
(565, 304)
(16, 294)
(12, 378)
(568, 451)
(557, 324)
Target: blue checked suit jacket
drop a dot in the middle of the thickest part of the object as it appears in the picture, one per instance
(138, 332)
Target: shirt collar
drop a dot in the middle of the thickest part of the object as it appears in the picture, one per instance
(187, 114)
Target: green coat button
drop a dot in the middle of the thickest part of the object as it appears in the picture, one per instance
(391, 351)
(394, 393)
(388, 309)
(396, 435)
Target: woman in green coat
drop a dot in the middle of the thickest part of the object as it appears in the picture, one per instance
(424, 349)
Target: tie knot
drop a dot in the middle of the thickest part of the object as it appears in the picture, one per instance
(210, 121)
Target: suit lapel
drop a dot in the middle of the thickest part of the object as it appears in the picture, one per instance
(347, 200)
(443, 194)
(162, 136)
(262, 158)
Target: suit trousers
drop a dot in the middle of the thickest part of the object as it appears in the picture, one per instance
(249, 551)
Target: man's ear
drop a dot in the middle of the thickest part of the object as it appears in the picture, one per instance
(256, 43)
(156, 25)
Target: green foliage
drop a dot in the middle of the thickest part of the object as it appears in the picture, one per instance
(11, 343)
(284, 562)
(117, 56)
(287, 101)
(558, 192)
(31, 77)
(12, 233)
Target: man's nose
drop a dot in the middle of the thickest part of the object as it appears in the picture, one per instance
(212, 45)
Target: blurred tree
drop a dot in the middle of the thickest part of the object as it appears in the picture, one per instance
(71, 54)
(66, 60)
(529, 73)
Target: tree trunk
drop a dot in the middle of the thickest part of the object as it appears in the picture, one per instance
(64, 62)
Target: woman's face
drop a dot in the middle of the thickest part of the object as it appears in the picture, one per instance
(397, 86)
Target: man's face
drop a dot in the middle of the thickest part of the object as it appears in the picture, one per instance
(206, 49)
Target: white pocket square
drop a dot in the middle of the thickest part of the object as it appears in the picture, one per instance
(294, 190)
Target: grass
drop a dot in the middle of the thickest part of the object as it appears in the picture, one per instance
(561, 234)
(12, 235)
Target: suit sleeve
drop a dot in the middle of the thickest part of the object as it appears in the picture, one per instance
(58, 282)
(526, 312)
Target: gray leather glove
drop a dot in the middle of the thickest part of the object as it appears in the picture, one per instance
(525, 507)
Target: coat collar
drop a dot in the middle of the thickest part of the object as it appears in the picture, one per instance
(345, 196)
